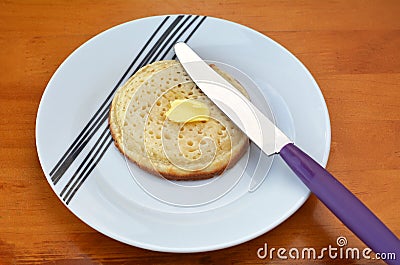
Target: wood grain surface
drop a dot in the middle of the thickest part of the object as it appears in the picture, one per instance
(350, 47)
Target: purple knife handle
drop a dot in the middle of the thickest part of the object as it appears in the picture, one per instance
(344, 204)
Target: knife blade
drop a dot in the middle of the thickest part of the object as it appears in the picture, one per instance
(267, 137)
(271, 140)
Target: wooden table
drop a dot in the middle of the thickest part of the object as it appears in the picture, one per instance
(351, 48)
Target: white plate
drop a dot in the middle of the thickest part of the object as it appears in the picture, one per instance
(108, 199)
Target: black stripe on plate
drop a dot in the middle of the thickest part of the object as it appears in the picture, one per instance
(92, 151)
(95, 147)
(72, 157)
(99, 151)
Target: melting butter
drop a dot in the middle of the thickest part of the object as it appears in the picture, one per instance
(188, 110)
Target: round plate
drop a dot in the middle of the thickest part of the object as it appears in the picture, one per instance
(92, 178)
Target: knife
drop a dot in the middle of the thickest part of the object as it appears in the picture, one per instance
(271, 140)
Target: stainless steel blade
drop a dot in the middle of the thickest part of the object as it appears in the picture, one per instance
(237, 107)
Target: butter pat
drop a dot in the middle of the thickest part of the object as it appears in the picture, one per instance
(188, 110)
